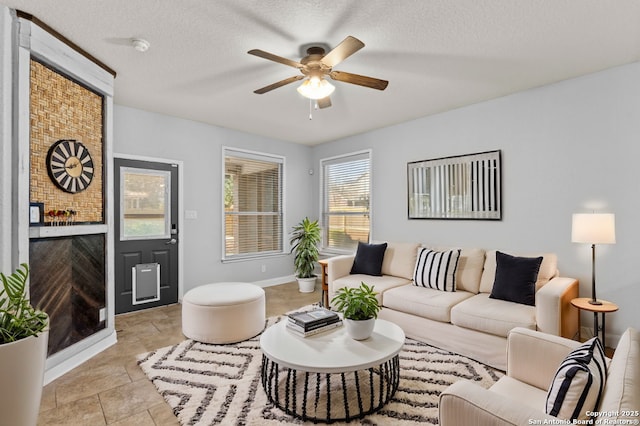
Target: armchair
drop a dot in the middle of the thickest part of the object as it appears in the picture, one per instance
(519, 397)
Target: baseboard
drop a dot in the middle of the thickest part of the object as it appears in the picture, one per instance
(275, 281)
(586, 333)
(64, 366)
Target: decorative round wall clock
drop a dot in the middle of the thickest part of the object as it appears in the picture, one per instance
(70, 166)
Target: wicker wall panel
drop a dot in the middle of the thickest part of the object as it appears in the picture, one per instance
(62, 109)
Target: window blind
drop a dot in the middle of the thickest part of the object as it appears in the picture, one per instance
(252, 204)
(346, 189)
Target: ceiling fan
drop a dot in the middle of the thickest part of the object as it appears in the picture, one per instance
(316, 66)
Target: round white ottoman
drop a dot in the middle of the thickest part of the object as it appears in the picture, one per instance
(223, 312)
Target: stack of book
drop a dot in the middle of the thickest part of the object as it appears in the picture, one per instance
(312, 322)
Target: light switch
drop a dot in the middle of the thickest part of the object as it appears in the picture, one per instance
(190, 214)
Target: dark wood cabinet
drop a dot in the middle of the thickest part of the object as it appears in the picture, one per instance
(67, 281)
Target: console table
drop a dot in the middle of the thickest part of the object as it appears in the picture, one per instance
(330, 377)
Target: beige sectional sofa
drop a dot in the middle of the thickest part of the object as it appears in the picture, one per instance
(466, 321)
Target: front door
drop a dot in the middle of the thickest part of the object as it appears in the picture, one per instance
(146, 234)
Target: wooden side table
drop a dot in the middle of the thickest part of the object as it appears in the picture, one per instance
(606, 307)
(324, 294)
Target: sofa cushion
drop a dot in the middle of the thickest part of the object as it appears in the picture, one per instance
(492, 316)
(424, 302)
(577, 386)
(469, 270)
(548, 270)
(400, 259)
(436, 269)
(622, 390)
(380, 284)
(516, 278)
(368, 259)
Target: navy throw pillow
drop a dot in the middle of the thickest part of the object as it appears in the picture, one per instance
(516, 278)
(368, 259)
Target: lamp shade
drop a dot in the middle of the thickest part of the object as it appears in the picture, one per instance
(316, 88)
(593, 228)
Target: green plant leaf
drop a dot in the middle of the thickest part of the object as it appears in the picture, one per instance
(358, 303)
(18, 319)
(305, 238)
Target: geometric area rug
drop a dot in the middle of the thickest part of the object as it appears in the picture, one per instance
(208, 384)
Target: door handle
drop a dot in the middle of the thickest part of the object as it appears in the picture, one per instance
(172, 241)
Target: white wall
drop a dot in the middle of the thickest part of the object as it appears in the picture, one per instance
(566, 148)
(199, 146)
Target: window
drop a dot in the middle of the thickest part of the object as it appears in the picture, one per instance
(252, 198)
(145, 199)
(346, 188)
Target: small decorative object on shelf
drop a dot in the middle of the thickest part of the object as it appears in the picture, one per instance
(36, 214)
(61, 217)
(69, 214)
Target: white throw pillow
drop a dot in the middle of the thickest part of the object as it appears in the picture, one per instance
(436, 269)
(578, 384)
(400, 259)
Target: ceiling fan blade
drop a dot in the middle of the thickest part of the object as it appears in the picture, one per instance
(346, 48)
(360, 80)
(324, 102)
(270, 56)
(280, 83)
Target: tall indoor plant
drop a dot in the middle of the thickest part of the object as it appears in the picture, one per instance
(24, 336)
(305, 238)
(360, 309)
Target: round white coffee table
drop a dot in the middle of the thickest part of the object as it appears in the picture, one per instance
(330, 377)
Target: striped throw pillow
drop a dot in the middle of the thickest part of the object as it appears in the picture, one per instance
(578, 383)
(436, 269)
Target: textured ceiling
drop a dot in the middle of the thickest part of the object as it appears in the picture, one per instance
(436, 54)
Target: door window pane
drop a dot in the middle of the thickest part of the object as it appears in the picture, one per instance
(144, 204)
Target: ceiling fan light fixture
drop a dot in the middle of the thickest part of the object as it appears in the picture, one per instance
(316, 66)
(316, 88)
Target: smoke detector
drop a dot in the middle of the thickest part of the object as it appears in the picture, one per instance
(140, 44)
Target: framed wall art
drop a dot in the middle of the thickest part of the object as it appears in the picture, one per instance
(458, 187)
(36, 214)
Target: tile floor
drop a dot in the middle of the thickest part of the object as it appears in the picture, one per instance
(110, 388)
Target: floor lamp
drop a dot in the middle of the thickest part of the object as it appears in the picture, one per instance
(593, 228)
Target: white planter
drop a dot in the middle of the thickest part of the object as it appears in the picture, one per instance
(360, 330)
(306, 285)
(22, 375)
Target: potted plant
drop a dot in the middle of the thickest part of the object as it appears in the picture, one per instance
(305, 238)
(24, 336)
(360, 309)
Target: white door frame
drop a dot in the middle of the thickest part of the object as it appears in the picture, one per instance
(181, 239)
